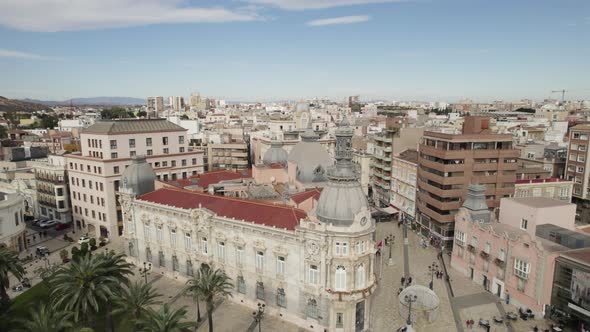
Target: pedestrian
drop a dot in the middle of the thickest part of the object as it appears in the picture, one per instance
(33, 238)
(471, 323)
(467, 323)
(410, 280)
(403, 280)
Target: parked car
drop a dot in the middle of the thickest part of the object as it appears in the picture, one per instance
(26, 283)
(62, 226)
(36, 222)
(83, 239)
(42, 251)
(48, 223)
(17, 288)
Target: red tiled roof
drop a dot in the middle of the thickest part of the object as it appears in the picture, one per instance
(205, 179)
(302, 197)
(261, 213)
(540, 180)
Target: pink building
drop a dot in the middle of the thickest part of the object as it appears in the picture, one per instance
(506, 256)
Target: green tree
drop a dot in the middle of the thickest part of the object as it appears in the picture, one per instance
(86, 285)
(115, 113)
(141, 114)
(3, 132)
(184, 117)
(165, 319)
(209, 284)
(12, 118)
(48, 121)
(45, 318)
(9, 264)
(135, 299)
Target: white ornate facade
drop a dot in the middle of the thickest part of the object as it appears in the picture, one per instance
(317, 274)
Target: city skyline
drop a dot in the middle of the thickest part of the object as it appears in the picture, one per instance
(266, 50)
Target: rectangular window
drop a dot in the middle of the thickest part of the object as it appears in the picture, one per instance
(314, 274)
(132, 142)
(181, 149)
(239, 256)
(339, 320)
(148, 141)
(194, 161)
(183, 162)
(281, 299)
(180, 139)
(132, 153)
(116, 169)
(460, 238)
(241, 285)
(113, 144)
(280, 266)
(150, 152)
(173, 163)
(164, 140)
(173, 238)
(187, 242)
(260, 290)
(259, 261)
(146, 232)
(204, 248)
(221, 251)
(521, 268)
(159, 233)
(165, 151)
(524, 224)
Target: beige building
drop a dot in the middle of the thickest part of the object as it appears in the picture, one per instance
(107, 149)
(12, 224)
(363, 162)
(53, 195)
(232, 156)
(395, 138)
(554, 188)
(155, 104)
(577, 169)
(403, 182)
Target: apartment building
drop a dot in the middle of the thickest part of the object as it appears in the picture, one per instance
(155, 104)
(232, 156)
(554, 188)
(403, 183)
(449, 163)
(577, 170)
(107, 149)
(53, 196)
(395, 138)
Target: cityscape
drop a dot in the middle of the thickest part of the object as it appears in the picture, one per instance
(278, 165)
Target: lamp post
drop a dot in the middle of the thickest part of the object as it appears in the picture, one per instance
(410, 298)
(146, 268)
(432, 268)
(258, 315)
(389, 241)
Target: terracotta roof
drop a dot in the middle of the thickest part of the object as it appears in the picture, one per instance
(261, 213)
(303, 196)
(205, 179)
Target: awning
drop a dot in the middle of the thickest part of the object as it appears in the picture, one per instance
(388, 210)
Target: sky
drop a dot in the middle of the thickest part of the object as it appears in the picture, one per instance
(262, 50)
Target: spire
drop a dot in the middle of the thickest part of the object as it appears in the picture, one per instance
(344, 168)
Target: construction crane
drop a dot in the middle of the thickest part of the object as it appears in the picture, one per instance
(562, 94)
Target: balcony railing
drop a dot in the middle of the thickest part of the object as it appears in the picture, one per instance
(471, 248)
(499, 262)
(484, 255)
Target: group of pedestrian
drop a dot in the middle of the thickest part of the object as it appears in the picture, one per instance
(42, 234)
(406, 281)
(470, 323)
(439, 274)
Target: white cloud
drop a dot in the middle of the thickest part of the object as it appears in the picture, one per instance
(23, 55)
(315, 4)
(338, 20)
(62, 15)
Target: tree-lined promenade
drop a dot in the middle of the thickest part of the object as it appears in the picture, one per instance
(94, 292)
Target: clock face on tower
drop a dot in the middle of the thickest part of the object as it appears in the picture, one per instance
(363, 221)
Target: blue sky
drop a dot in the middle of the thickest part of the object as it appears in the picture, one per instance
(291, 49)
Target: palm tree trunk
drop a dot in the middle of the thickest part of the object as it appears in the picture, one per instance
(110, 321)
(210, 312)
(4, 298)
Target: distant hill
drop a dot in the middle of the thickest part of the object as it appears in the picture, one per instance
(7, 105)
(106, 101)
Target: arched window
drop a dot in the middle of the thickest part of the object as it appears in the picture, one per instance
(359, 279)
(312, 309)
(340, 278)
(131, 250)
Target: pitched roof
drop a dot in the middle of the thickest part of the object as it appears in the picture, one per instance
(132, 126)
(303, 196)
(258, 212)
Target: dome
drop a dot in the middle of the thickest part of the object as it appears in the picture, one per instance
(139, 177)
(275, 155)
(312, 161)
(340, 202)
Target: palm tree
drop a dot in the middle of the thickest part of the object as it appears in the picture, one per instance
(209, 284)
(9, 264)
(135, 299)
(87, 284)
(165, 319)
(45, 318)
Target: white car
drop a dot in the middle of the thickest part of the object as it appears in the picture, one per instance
(48, 223)
(83, 239)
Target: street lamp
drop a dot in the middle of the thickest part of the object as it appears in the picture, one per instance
(432, 268)
(389, 241)
(258, 315)
(410, 298)
(146, 268)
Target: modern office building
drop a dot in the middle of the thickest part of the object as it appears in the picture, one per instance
(449, 163)
(570, 299)
(107, 149)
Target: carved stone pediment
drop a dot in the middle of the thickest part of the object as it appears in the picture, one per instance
(238, 241)
(259, 245)
(145, 219)
(280, 251)
(220, 236)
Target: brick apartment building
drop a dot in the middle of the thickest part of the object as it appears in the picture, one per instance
(449, 163)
